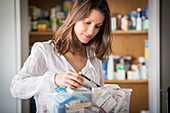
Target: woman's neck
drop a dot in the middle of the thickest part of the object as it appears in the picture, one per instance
(77, 60)
(78, 53)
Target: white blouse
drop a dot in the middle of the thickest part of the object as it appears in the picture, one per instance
(37, 73)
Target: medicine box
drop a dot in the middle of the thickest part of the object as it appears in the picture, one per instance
(98, 101)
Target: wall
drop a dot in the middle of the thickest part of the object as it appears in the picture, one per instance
(165, 52)
(154, 56)
(24, 45)
(9, 53)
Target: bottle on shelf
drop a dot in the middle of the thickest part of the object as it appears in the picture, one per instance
(52, 17)
(133, 19)
(60, 19)
(139, 20)
(34, 19)
(113, 23)
(67, 4)
(124, 21)
(54, 25)
(135, 70)
(119, 23)
(142, 68)
(129, 23)
(110, 68)
(146, 56)
(104, 66)
(121, 70)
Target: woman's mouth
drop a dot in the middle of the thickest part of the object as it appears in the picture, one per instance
(87, 36)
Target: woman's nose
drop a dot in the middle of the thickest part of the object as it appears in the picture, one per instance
(90, 30)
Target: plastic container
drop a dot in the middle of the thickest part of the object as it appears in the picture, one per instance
(139, 20)
(110, 68)
(113, 23)
(101, 101)
(104, 66)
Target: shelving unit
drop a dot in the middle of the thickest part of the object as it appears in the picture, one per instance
(130, 43)
(117, 32)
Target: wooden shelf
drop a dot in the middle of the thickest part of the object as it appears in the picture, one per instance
(118, 32)
(124, 81)
(41, 33)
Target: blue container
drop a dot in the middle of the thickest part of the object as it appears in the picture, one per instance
(104, 65)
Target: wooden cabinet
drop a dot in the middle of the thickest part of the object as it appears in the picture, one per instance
(125, 6)
(130, 43)
(40, 37)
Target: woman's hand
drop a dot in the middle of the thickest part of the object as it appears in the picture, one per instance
(69, 79)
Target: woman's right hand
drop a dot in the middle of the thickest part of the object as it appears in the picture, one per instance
(69, 79)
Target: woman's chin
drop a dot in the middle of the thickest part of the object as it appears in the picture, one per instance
(84, 41)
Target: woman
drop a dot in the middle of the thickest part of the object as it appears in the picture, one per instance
(79, 45)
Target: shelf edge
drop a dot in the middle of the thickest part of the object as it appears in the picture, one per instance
(118, 32)
(125, 81)
(41, 33)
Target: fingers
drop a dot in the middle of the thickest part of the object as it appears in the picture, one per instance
(69, 79)
(75, 77)
(72, 83)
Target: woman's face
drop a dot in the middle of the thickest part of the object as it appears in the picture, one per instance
(87, 28)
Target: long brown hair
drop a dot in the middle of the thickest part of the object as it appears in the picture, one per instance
(65, 39)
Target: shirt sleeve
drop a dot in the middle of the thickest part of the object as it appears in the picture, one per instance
(33, 78)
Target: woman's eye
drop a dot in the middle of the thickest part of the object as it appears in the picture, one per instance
(87, 22)
(97, 26)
